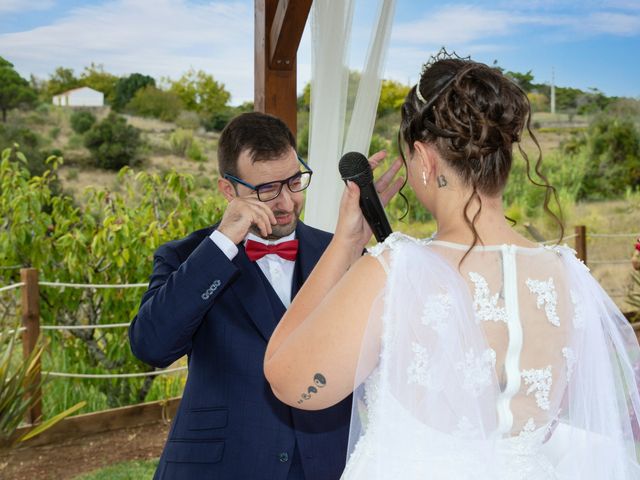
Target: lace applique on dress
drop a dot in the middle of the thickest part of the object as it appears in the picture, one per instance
(418, 372)
(578, 310)
(528, 428)
(465, 429)
(540, 381)
(571, 359)
(477, 370)
(484, 304)
(547, 296)
(436, 311)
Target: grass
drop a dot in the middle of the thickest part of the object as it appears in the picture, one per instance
(134, 470)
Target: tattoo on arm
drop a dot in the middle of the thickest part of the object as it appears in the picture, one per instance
(319, 381)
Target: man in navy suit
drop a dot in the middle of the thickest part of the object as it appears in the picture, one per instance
(216, 296)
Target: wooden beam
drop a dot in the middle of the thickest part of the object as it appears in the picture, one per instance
(103, 421)
(286, 32)
(274, 88)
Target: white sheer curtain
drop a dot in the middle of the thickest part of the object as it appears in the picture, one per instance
(331, 39)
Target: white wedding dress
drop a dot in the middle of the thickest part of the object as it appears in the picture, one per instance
(513, 365)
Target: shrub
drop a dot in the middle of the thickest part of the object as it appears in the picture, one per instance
(54, 132)
(218, 120)
(194, 151)
(30, 144)
(21, 381)
(150, 101)
(188, 120)
(75, 141)
(180, 141)
(72, 174)
(303, 140)
(113, 143)
(611, 146)
(82, 121)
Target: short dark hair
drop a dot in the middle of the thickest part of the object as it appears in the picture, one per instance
(264, 136)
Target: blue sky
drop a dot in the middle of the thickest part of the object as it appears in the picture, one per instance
(588, 43)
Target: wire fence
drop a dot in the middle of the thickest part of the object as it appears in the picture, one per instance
(580, 238)
(62, 327)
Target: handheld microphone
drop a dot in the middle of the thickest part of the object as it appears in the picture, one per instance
(354, 166)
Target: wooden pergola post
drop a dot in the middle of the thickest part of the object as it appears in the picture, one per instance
(278, 29)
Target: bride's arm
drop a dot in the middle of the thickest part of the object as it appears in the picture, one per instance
(312, 355)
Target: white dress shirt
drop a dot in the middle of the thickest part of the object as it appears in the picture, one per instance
(279, 271)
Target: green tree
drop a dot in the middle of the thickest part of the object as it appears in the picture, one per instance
(524, 80)
(113, 143)
(392, 95)
(200, 92)
(95, 77)
(109, 238)
(126, 88)
(150, 101)
(61, 80)
(593, 102)
(539, 102)
(14, 90)
(611, 146)
(567, 98)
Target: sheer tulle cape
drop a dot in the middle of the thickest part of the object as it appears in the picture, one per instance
(514, 364)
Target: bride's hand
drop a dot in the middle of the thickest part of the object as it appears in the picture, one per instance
(352, 228)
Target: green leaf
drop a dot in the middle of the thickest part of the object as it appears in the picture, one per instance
(51, 422)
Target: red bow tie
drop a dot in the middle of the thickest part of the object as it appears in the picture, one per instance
(256, 250)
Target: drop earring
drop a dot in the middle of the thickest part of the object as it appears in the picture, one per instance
(424, 178)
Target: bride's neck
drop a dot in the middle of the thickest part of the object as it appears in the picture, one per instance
(490, 224)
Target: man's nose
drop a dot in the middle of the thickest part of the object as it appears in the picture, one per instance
(284, 200)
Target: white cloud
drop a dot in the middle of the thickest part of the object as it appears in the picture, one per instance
(167, 37)
(456, 24)
(22, 6)
(614, 23)
(158, 38)
(467, 24)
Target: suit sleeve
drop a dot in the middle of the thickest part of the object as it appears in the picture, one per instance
(178, 297)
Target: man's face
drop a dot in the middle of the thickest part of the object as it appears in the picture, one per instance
(288, 205)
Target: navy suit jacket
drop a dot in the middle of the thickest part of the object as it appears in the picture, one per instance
(221, 313)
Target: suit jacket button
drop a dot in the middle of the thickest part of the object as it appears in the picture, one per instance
(283, 457)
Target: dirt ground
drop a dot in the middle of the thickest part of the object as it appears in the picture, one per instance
(66, 460)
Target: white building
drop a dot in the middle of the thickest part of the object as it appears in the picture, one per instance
(79, 97)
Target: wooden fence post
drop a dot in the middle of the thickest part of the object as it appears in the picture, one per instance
(31, 323)
(581, 242)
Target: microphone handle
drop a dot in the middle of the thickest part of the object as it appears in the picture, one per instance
(374, 213)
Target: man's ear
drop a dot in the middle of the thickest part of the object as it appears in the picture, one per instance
(226, 189)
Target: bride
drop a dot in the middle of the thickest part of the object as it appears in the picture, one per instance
(475, 354)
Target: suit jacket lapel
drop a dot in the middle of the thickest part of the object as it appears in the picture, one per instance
(251, 291)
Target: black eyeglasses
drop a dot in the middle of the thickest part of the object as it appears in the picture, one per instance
(270, 190)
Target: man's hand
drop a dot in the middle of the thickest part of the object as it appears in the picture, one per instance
(241, 214)
(352, 228)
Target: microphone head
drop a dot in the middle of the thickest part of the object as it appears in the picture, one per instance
(354, 166)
